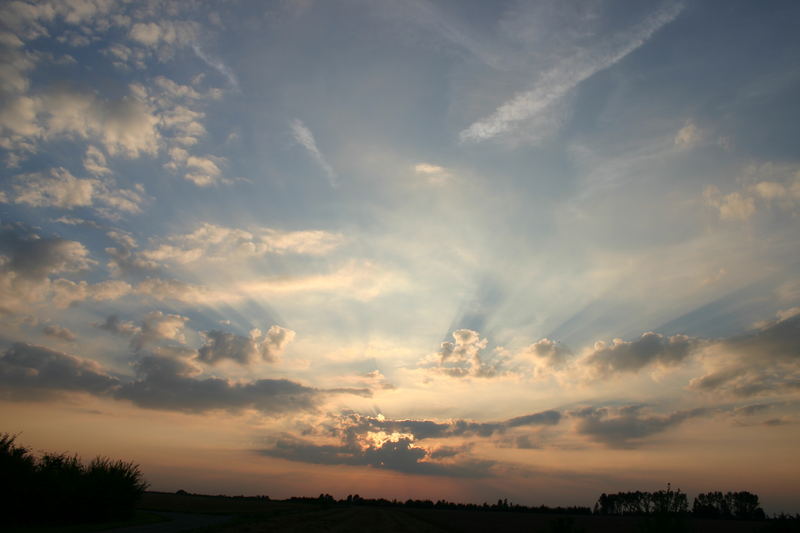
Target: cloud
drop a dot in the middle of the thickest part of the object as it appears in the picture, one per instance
(733, 206)
(389, 452)
(210, 242)
(626, 427)
(463, 358)
(66, 292)
(164, 381)
(27, 262)
(126, 126)
(33, 257)
(434, 174)
(767, 185)
(689, 136)
(551, 354)
(395, 444)
(220, 345)
(217, 65)
(157, 326)
(631, 356)
(556, 82)
(119, 327)
(29, 371)
(176, 290)
(59, 332)
(95, 162)
(164, 36)
(763, 362)
(305, 138)
(59, 188)
(167, 383)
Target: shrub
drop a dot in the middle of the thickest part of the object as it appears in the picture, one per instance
(60, 488)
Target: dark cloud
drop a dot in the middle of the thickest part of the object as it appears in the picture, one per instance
(221, 345)
(650, 348)
(396, 444)
(625, 427)
(123, 261)
(164, 381)
(168, 383)
(113, 324)
(401, 454)
(59, 332)
(34, 258)
(766, 361)
(428, 429)
(28, 371)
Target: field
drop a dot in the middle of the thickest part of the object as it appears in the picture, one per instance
(251, 515)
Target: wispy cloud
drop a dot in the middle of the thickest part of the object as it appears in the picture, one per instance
(217, 65)
(305, 138)
(565, 76)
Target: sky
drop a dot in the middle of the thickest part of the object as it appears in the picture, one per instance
(463, 250)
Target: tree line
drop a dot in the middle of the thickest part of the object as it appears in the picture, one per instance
(741, 505)
(59, 488)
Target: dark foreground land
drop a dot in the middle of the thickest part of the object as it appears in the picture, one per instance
(256, 515)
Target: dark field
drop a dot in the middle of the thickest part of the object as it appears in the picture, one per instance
(256, 515)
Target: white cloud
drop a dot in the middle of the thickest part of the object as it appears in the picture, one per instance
(462, 357)
(59, 188)
(557, 81)
(733, 206)
(434, 174)
(95, 162)
(218, 243)
(164, 32)
(689, 136)
(767, 185)
(306, 139)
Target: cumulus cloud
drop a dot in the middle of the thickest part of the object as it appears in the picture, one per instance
(626, 427)
(462, 357)
(305, 138)
(631, 356)
(220, 345)
(29, 371)
(126, 127)
(157, 326)
(59, 188)
(550, 354)
(28, 263)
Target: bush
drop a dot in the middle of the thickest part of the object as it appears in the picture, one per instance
(60, 488)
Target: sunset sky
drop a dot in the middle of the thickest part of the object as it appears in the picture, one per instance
(463, 250)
